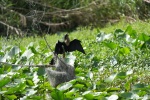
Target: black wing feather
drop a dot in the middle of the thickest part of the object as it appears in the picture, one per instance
(75, 45)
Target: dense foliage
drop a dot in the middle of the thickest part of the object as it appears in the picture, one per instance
(116, 66)
(30, 17)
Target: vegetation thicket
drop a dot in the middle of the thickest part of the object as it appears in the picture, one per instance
(28, 17)
(117, 59)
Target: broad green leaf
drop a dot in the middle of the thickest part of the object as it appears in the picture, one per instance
(131, 32)
(103, 36)
(3, 92)
(29, 82)
(111, 78)
(80, 86)
(126, 95)
(143, 37)
(1, 70)
(112, 89)
(90, 75)
(113, 61)
(111, 45)
(138, 86)
(65, 86)
(13, 51)
(21, 87)
(69, 94)
(4, 81)
(127, 85)
(11, 97)
(124, 50)
(129, 72)
(27, 54)
(33, 50)
(113, 97)
(121, 75)
(57, 94)
(119, 33)
(70, 59)
(89, 96)
(41, 71)
(31, 92)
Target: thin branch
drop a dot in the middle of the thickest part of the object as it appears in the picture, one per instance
(5, 63)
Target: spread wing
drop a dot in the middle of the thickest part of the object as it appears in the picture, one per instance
(75, 45)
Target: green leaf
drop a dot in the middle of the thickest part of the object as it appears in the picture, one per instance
(57, 95)
(4, 81)
(119, 33)
(65, 86)
(131, 32)
(111, 45)
(80, 86)
(111, 78)
(126, 95)
(11, 97)
(70, 59)
(113, 89)
(90, 75)
(121, 75)
(138, 86)
(69, 94)
(14, 50)
(30, 82)
(33, 50)
(143, 37)
(127, 85)
(89, 96)
(113, 97)
(124, 50)
(103, 36)
(41, 71)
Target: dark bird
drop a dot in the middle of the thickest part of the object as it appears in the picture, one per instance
(67, 46)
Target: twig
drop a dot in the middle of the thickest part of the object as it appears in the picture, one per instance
(5, 63)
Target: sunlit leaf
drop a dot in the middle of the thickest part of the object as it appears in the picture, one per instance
(113, 97)
(69, 94)
(89, 96)
(30, 82)
(70, 59)
(124, 50)
(103, 36)
(31, 92)
(4, 81)
(27, 54)
(113, 61)
(11, 97)
(33, 50)
(65, 86)
(111, 45)
(111, 78)
(80, 86)
(90, 75)
(129, 72)
(131, 32)
(119, 33)
(143, 37)
(112, 89)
